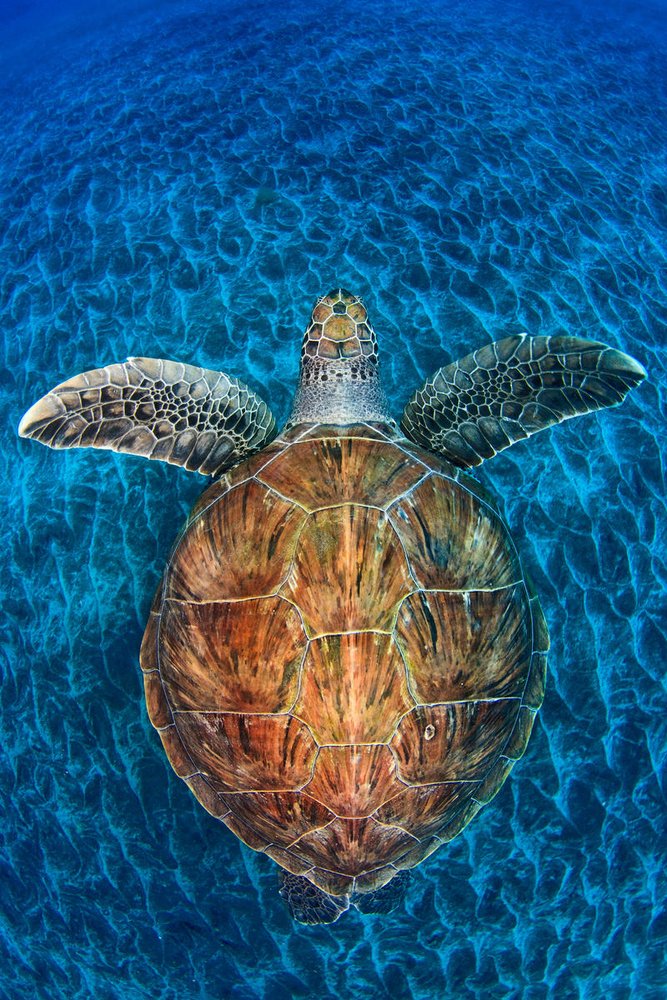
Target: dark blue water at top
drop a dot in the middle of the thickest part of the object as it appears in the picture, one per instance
(182, 180)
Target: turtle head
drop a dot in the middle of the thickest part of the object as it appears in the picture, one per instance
(339, 379)
(339, 330)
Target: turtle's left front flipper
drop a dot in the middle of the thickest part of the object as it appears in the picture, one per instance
(508, 390)
(194, 417)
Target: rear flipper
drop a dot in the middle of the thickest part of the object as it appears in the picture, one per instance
(200, 419)
(385, 899)
(307, 903)
(310, 905)
(507, 391)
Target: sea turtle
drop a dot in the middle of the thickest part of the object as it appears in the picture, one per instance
(344, 657)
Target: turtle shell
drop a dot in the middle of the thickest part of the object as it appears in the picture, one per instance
(343, 659)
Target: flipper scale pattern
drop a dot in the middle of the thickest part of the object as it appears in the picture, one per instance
(200, 419)
(506, 391)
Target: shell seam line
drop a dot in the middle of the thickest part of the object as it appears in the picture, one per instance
(299, 682)
(234, 600)
(309, 434)
(276, 847)
(455, 478)
(290, 500)
(406, 493)
(297, 718)
(408, 683)
(185, 750)
(213, 502)
(407, 562)
(398, 829)
(534, 652)
(283, 597)
(290, 568)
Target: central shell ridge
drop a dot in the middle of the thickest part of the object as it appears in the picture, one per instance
(337, 660)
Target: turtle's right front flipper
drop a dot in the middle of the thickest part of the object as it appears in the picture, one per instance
(508, 390)
(200, 419)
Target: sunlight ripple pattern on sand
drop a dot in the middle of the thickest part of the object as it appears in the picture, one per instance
(183, 182)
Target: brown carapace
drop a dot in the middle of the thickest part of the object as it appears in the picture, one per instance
(344, 658)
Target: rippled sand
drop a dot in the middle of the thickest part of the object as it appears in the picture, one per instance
(184, 184)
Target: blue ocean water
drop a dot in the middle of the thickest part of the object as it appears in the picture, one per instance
(182, 179)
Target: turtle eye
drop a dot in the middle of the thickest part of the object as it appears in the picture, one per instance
(429, 732)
